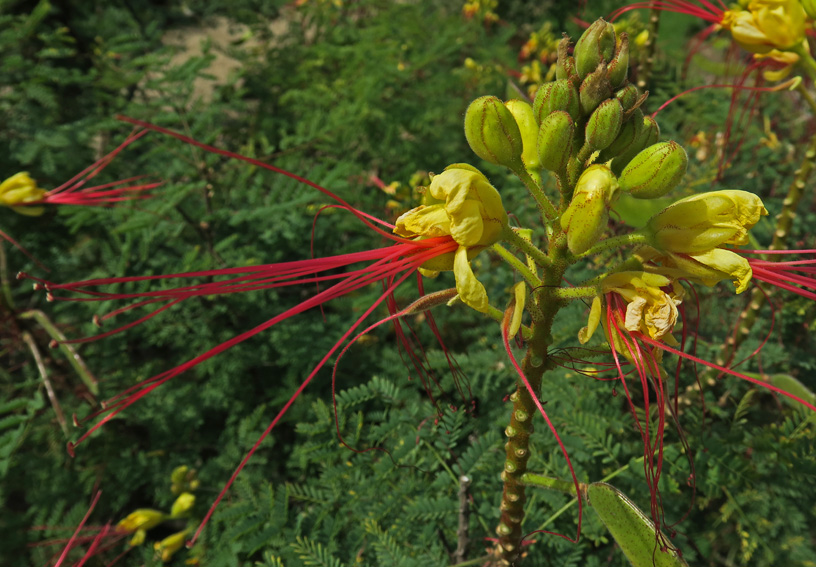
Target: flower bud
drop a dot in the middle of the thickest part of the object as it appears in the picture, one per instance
(142, 519)
(594, 90)
(649, 135)
(168, 547)
(588, 213)
(619, 66)
(628, 96)
(705, 221)
(655, 171)
(526, 122)
(628, 135)
(182, 505)
(20, 189)
(558, 95)
(596, 46)
(604, 124)
(565, 65)
(492, 132)
(555, 141)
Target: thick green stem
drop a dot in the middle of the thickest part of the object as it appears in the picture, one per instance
(616, 242)
(526, 246)
(806, 62)
(536, 362)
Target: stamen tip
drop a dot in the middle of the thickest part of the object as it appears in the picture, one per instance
(53, 344)
(75, 419)
(97, 321)
(70, 447)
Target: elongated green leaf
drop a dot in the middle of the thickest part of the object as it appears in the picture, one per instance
(632, 529)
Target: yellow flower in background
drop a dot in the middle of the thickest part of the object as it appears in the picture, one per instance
(167, 547)
(767, 25)
(142, 519)
(21, 189)
(462, 204)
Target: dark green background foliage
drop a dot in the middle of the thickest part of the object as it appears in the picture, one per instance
(338, 94)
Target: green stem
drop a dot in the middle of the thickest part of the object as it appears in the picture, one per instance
(517, 265)
(535, 190)
(526, 246)
(6, 299)
(575, 292)
(532, 479)
(806, 62)
(616, 242)
(67, 349)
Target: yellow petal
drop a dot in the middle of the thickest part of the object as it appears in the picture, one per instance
(594, 320)
(471, 291)
(520, 297)
(424, 220)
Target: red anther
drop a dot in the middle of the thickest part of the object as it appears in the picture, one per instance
(53, 344)
(97, 321)
(70, 447)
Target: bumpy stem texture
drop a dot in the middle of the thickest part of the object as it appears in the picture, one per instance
(535, 364)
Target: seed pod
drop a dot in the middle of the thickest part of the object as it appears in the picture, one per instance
(526, 122)
(594, 90)
(628, 135)
(492, 132)
(604, 124)
(633, 531)
(655, 171)
(649, 135)
(555, 141)
(565, 65)
(588, 213)
(558, 95)
(619, 66)
(596, 46)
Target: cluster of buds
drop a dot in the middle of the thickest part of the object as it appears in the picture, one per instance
(140, 521)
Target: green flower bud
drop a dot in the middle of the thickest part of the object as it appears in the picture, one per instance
(604, 124)
(565, 65)
(555, 141)
(649, 135)
(810, 8)
(594, 90)
(588, 213)
(526, 122)
(655, 171)
(596, 46)
(628, 135)
(558, 95)
(492, 132)
(628, 96)
(619, 66)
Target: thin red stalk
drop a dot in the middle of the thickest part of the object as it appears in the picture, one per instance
(68, 547)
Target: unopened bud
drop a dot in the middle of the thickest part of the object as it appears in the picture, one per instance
(492, 132)
(588, 213)
(594, 90)
(604, 124)
(655, 171)
(628, 135)
(649, 135)
(628, 96)
(810, 8)
(555, 141)
(182, 505)
(526, 122)
(619, 66)
(565, 65)
(554, 96)
(596, 46)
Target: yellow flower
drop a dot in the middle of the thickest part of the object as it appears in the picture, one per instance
(170, 545)
(691, 232)
(461, 204)
(767, 25)
(182, 505)
(705, 221)
(20, 189)
(649, 309)
(141, 519)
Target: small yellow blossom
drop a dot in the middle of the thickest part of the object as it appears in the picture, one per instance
(182, 505)
(170, 545)
(767, 25)
(463, 205)
(20, 189)
(142, 519)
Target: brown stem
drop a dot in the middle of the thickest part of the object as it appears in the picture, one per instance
(464, 513)
(52, 396)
